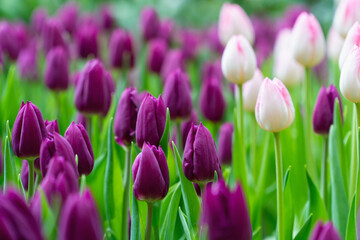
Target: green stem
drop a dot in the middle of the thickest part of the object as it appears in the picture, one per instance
(254, 162)
(324, 171)
(149, 221)
(31, 179)
(279, 188)
(242, 141)
(89, 127)
(308, 125)
(179, 136)
(125, 206)
(58, 106)
(355, 153)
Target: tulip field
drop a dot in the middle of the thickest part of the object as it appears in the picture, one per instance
(179, 120)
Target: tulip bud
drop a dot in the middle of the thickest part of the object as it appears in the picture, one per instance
(53, 35)
(79, 140)
(346, 14)
(28, 131)
(212, 101)
(251, 90)
(177, 95)
(156, 53)
(52, 126)
(167, 30)
(233, 21)
(121, 49)
(150, 123)
(27, 63)
(149, 23)
(274, 108)
(308, 42)
(174, 59)
(38, 19)
(352, 38)
(80, 218)
(107, 20)
(349, 76)
(225, 213)
(68, 15)
(325, 231)
(57, 69)
(13, 38)
(25, 174)
(126, 116)
(94, 90)
(238, 62)
(186, 126)
(150, 174)
(334, 44)
(211, 70)
(225, 143)
(55, 145)
(200, 157)
(17, 221)
(324, 109)
(190, 42)
(87, 41)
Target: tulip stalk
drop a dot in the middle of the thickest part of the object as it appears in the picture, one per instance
(149, 221)
(241, 127)
(31, 178)
(355, 153)
(254, 163)
(279, 188)
(125, 205)
(324, 171)
(308, 125)
(179, 135)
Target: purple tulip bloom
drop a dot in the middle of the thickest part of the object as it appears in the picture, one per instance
(225, 143)
(87, 41)
(13, 38)
(174, 59)
(27, 63)
(149, 23)
(166, 30)
(156, 53)
(68, 15)
(53, 35)
(57, 70)
(52, 126)
(211, 70)
(38, 19)
(190, 42)
(186, 126)
(107, 19)
(213, 40)
(121, 49)
(325, 231)
(150, 174)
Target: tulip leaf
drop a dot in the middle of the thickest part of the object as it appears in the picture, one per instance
(339, 203)
(9, 164)
(49, 218)
(21, 186)
(109, 178)
(135, 233)
(191, 200)
(257, 234)
(351, 222)
(215, 176)
(11, 96)
(184, 224)
(304, 232)
(165, 137)
(288, 205)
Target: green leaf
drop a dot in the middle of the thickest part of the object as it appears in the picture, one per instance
(109, 177)
(9, 164)
(191, 200)
(135, 220)
(288, 205)
(165, 137)
(286, 177)
(257, 234)
(339, 203)
(305, 229)
(184, 224)
(49, 217)
(351, 222)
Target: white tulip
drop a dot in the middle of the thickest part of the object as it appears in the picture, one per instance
(334, 44)
(251, 91)
(350, 76)
(346, 14)
(352, 38)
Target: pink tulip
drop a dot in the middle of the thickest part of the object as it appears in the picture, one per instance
(352, 38)
(346, 14)
(334, 44)
(251, 90)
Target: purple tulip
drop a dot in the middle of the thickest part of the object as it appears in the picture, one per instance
(174, 59)
(150, 174)
(52, 126)
(190, 42)
(87, 41)
(212, 101)
(225, 143)
(80, 218)
(186, 126)
(28, 131)
(78, 138)
(200, 157)
(156, 53)
(167, 30)
(225, 213)
(177, 95)
(57, 69)
(149, 23)
(107, 19)
(213, 40)
(53, 35)
(13, 38)
(55, 145)
(38, 19)
(325, 231)
(211, 70)
(27, 63)
(93, 92)
(68, 15)
(81, 119)
(2, 63)
(126, 116)
(121, 49)
(324, 109)
(16, 219)
(150, 123)
(25, 174)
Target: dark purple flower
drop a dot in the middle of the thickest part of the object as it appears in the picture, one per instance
(81, 119)
(149, 23)
(324, 109)
(150, 174)
(16, 219)
(211, 70)
(126, 116)
(200, 158)
(174, 59)
(225, 213)
(93, 92)
(57, 69)
(87, 41)
(150, 124)
(52, 126)
(186, 126)
(156, 53)
(212, 101)
(55, 145)
(38, 19)
(177, 95)
(325, 231)
(13, 38)
(68, 15)
(80, 218)
(121, 49)
(79, 140)
(28, 131)
(107, 19)
(167, 30)
(53, 35)
(213, 40)
(190, 42)
(27, 63)
(25, 174)
(225, 143)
